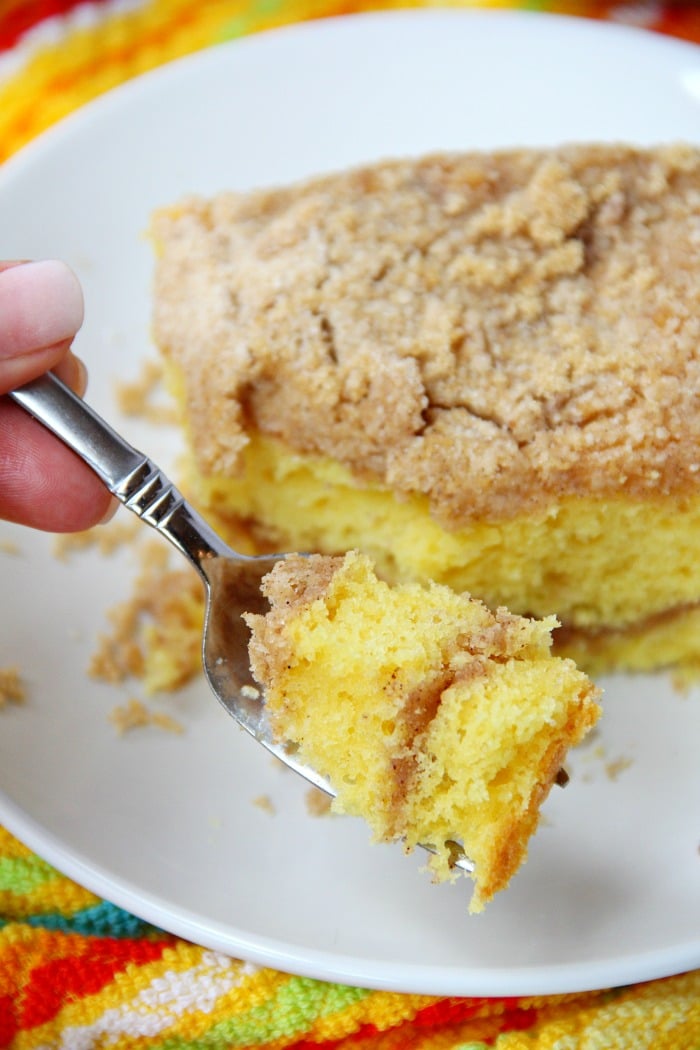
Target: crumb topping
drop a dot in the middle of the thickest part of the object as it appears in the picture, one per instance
(291, 585)
(491, 330)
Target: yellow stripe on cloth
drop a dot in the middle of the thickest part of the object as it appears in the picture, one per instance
(85, 61)
(158, 999)
(659, 1015)
(60, 77)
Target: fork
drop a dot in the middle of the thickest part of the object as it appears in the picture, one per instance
(231, 580)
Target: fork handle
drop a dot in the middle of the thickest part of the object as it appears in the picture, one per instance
(128, 474)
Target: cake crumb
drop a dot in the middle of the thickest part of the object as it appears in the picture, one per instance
(155, 635)
(9, 547)
(132, 715)
(598, 756)
(265, 803)
(137, 398)
(106, 539)
(165, 721)
(617, 766)
(685, 678)
(12, 688)
(318, 803)
(135, 715)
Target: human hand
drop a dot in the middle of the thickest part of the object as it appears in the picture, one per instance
(42, 483)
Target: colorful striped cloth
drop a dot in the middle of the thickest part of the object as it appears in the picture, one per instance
(76, 972)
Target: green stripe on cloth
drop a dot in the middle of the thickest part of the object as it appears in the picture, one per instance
(299, 1003)
(24, 874)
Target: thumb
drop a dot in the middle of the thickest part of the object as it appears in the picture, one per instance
(41, 309)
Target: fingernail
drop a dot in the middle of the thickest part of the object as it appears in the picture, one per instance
(41, 304)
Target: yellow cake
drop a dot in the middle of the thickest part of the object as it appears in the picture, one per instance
(433, 718)
(482, 369)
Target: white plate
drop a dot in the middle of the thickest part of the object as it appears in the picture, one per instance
(166, 826)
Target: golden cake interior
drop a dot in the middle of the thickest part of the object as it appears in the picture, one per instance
(623, 575)
(435, 719)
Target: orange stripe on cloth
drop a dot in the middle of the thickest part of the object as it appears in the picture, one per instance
(41, 971)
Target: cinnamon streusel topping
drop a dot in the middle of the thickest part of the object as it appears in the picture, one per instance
(491, 330)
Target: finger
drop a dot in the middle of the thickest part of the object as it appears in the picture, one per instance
(71, 369)
(73, 372)
(42, 483)
(41, 309)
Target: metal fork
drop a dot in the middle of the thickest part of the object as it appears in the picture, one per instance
(231, 580)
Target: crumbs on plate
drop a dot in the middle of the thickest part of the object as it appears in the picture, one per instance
(265, 803)
(155, 635)
(135, 715)
(318, 803)
(12, 688)
(106, 539)
(139, 396)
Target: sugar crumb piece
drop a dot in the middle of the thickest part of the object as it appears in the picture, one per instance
(135, 715)
(265, 803)
(118, 655)
(9, 547)
(104, 538)
(12, 688)
(685, 678)
(318, 803)
(137, 398)
(132, 715)
(165, 721)
(250, 692)
(597, 757)
(617, 766)
(156, 634)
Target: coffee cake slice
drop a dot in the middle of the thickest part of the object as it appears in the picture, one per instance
(480, 368)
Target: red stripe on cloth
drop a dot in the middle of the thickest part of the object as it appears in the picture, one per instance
(440, 1014)
(18, 20)
(679, 21)
(8, 1021)
(86, 973)
(450, 1011)
(453, 1011)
